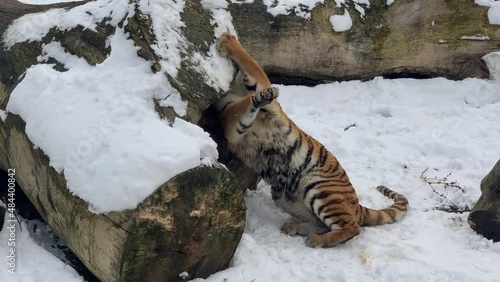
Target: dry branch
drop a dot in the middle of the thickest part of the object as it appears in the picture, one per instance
(432, 181)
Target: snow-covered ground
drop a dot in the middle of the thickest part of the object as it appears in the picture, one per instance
(401, 128)
(33, 263)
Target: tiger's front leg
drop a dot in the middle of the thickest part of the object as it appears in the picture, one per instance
(238, 117)
(254, 77)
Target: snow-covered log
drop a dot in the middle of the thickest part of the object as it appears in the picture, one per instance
(485, 215)
(424, 38)
(93, 105)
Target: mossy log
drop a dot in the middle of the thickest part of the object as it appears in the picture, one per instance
(192, 223)
(408, 38)
(484, 217)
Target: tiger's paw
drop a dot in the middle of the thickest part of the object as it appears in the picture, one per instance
(226, 44)
(265, 97)
(314, 241)
(291, 229)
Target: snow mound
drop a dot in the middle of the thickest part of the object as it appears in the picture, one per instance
(341, 23)
(97, 124)
(493, 11)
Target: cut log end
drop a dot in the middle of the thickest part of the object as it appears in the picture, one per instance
(486, 224)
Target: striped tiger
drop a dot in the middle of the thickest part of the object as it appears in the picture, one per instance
(306, 179)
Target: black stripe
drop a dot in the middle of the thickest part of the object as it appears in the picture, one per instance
(323, 155)
(291, 150)
(337, 214)
(245, 126)
(336, 167)
(343, 174)
(311, 186)
(251, 87)
(329, 203)
(342, 192)
(225, 106)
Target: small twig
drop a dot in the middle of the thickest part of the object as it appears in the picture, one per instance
(440, 181)
(451, 209)
(349, 126)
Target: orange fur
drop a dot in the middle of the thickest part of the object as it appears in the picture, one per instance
(306, 179)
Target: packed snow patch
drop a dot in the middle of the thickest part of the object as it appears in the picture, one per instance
(493, 62)
(341, 23)
(33, 262)
(3, 115)
(301, 8)
(493, 11)
(33, 27)
(475, 37)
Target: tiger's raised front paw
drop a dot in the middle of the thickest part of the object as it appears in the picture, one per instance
(226, 44)
(265, 97)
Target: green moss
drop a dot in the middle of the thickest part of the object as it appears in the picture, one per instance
(198, 29)
(164, 243)
(3, 96)
(141, 32)
(85, 43)
(464, 18)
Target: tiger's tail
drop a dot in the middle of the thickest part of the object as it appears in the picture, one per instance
(388, 215)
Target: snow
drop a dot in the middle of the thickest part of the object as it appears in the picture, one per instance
(341, 23)
(171, 44)
(301, 8)
(389, 2)
(493, 11)
(98, 126)
(105, 136)
(402, 127)
(33, 27)
(33, 263)
(3, 115)
(475, 37)
(493, 62)
(167, 24)
(175, 101)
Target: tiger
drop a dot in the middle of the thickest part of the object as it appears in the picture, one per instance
(306, 179)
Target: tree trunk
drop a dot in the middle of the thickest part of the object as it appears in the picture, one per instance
(408, 38)
(192, 223)
(485, 216)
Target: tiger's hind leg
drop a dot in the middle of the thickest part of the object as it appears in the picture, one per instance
(333, 237)
(337, 213)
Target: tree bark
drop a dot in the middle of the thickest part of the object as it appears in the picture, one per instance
(399, 40)
(484, 218)
(192, 223)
